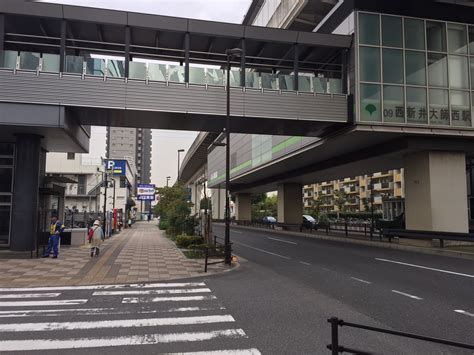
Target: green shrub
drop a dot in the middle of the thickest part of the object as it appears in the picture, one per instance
(163, 224)
(185, 241)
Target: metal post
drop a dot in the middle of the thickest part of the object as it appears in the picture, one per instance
(227, 251)
(127, 50)
(334, 347)
(2, 37)
(296, 68)
(344, 71)
(105, 200)
(242, 64)
(62, 47)
(186, 57)
(371, 209)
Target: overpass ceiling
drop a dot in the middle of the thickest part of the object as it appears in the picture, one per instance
(312, 14)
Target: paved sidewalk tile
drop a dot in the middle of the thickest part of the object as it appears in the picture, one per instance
(139, 254)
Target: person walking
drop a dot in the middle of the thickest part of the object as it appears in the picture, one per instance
(97, 238)
(55, 230)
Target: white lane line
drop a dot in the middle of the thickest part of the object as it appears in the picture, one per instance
(233, 231)
(222, 352)
(43, 303)
(263, 251)
(305, 263)
(29, 295)
(425, 267)
(119, 323)
(360, 280)
(145, 339)
(167, 299)
(98, 311)
(106, 287)
(282, 240)
(151, 292)
(407, 295)
(464, 312)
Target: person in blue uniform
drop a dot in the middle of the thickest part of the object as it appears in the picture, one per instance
(55, 230)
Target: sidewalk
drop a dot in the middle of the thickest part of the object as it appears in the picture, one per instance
(139, 254)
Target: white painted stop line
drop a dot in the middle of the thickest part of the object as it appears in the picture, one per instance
(222, 352)
(145, 339)
(167, 299)
(43, 303)
(151, 292)
(29, 295)
(105, 287)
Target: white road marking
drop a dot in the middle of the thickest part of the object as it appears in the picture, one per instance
(425, 267)
(29, 295)
(407, 295)
(151, 292)
(305, 263)
(233, 231)
(222, 352)
(105, 287)
(464, 312)
(282, 240)
(167, 299)
(42, 303)
(263, 251)
(360, 280)
(119, 323)
(145, 339)
(98, 311)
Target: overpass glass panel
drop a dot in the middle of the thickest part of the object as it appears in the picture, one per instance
(304, 83)
(335, 86)
(197, 75)
(9, 59)
(286, 82)
(74, 64)
(29, 60)
(95, 66)
(115, 68)
(176, 73)
(137, 71)
(50, 63)
(216, 77)
(269, 81)
(235, 78)
(157, 72)
(320, 85)
(252, 80)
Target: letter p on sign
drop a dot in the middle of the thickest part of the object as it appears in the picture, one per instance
(110, 164)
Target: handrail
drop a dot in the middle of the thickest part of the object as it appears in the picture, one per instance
(336, 348)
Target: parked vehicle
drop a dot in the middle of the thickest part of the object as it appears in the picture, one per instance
(308, 222)
(269, 220)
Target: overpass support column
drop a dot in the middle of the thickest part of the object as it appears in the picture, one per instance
(436, 192)
(25, 192)
(243, 207)
(218, 203)
(290, 203)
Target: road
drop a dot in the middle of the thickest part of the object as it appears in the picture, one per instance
(300, 281)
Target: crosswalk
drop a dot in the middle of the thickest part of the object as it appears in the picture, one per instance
(166, 318)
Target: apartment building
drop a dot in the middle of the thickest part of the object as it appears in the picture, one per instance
(355, 194)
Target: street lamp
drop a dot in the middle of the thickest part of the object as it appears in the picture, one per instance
(230, 53)
(179, 151)
(167, 179)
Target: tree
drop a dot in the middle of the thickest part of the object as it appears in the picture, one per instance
(205, 203)
(340, 200)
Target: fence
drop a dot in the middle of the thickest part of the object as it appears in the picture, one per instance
(216, 250)
(336, 348)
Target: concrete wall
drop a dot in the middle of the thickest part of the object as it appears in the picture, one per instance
(243, 207)
(290, 203)
(436, 192)
(218, 203)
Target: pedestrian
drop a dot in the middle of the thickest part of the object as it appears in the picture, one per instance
(149, 217)
(97, 238)
(129, 222)
(55, 230)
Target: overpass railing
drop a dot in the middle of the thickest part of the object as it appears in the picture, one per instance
(145, 71)
(337, 349)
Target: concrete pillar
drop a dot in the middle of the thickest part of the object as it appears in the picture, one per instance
(290, 203)
(25, 192)
(436, 192)
(218, 203)
(243, 207)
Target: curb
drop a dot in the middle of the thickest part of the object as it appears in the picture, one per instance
(377, 244)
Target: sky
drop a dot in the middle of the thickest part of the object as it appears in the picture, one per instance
(165, 142)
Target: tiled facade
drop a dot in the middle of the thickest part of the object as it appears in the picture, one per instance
(355, 192)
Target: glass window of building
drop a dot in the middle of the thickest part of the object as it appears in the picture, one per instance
(416, 105)
(392, 31)
(414, 33)
(436, 36)
(439, 107)
(393, 104)
(415, 68)
(437, 70)
(392, 66)
(458, 72)
(370, 102)
(369, 64)
(471, 40)
(460, 108)
(457, 38)
(369, 29)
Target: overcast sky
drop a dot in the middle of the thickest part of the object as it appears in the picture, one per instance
(165, 142)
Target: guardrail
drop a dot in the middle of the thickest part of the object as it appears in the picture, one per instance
(218, 249)
(336, 348)
(427, 235)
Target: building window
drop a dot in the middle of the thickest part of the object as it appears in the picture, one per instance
(71, 156)
(415, 68)
(392, 66)
(393, 104)
(436, 36)
(369, 29)
(439, 107)
(458, 72)
(414, 34)
(460, 108)
(370, 102)
(457, 38)
(416, 105)
(392, 31)
(370, 64)
(437, 70)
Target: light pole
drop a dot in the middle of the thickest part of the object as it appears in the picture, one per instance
(179, 152)
(167, 179)
(231, 53)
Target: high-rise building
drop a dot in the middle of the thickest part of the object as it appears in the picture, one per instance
(134, 145)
